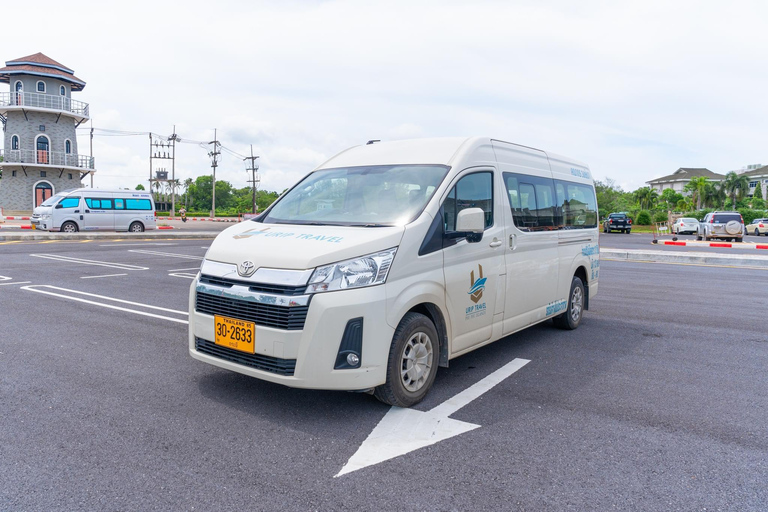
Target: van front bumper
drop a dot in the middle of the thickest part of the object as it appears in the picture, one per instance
(306, 358)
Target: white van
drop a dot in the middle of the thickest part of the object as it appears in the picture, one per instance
(92, 209)
(390, 259)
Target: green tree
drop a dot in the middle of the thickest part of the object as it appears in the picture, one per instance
(646, 197)
(139, 187)
(670, 198)
(734, 185)
(201, 196)
(696, 187)
(758, 191)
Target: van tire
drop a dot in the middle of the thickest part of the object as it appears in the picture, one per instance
(575, 310)
(136, 227)
(416, 345)
(69, 227)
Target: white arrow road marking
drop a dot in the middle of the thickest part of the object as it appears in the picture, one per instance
(185, 275)
(38, 288)
(67, 259)
(107, 275)
(166, 254)
(404, 430)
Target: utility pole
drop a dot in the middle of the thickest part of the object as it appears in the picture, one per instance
(214, 163)
(172, 138)
(91, 173)
(254, 166)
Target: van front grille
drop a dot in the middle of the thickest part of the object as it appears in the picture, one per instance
(266, 315)
(277, 289)
(270, 364)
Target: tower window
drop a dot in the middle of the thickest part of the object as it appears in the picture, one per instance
(63, 90)
(13, 173)
(15, 142)
(42, 174)
(70, 175)
(19, 86)
(67, 147)
(40, 86)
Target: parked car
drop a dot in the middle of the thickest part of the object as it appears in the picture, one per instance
(685, 225)
(722, 225)
(617, 222)
(758, 227)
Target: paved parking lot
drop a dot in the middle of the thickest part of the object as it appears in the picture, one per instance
(657, 402)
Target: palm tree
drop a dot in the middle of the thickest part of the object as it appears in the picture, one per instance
(646, 197)
(734, 185)
(697, 187)
(187, 183)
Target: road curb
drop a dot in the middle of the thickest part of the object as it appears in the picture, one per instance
(701, 258)
(36, 235)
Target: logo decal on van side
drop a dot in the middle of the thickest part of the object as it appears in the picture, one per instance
(476, 287)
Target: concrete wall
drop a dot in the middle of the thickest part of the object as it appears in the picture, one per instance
(28, 130)
(17, 192)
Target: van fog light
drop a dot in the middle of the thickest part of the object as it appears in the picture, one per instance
(353, 360)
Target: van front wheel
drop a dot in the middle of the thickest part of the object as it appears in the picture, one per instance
(136, 227)
(69, 227)
(412, 362)
(572, 316)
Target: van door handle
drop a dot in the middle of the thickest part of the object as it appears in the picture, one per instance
(87, 211)
(512, 241)
(496, 243)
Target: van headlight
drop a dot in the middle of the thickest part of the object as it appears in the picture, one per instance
(45, 216)
(357, 273)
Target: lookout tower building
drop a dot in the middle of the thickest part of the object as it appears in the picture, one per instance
(40, 119)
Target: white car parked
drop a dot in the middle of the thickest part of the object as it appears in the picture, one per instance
(685, 225)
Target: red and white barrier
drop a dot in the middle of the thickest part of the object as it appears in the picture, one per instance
(714, 244)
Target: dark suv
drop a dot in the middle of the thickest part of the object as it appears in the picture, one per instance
(723, 225)
(617, 222)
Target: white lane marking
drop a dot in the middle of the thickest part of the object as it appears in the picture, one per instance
(145, 243)
(3, 278)
(17, 282)
(82, 261)
(404, 430)
(183, 269)
(184, 275)
(36, 289)
(108, 275)
(166, 254)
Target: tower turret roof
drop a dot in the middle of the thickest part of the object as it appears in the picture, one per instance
(40, 65)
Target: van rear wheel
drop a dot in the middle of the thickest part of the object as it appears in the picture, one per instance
(136, 227)
(412, 362)
(573, 313)
(69, 227)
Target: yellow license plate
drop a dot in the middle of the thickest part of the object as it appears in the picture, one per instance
(235, 334)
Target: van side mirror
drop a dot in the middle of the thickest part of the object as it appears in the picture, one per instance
(470, 223)
(58, 206)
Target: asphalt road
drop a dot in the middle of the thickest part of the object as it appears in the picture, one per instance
(645, 241)
(656, 402)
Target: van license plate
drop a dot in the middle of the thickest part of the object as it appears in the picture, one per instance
(235, 334)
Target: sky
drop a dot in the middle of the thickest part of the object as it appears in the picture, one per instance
(634, 89)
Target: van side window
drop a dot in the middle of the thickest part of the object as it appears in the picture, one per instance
(70, 202)
(138, 204)
(579, 205)
(98, 204)
(119, 204)
(532, 200)
(472, 191)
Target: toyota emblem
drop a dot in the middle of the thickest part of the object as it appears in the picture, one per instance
(246, 268)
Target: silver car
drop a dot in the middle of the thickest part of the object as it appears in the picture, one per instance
(721, 225)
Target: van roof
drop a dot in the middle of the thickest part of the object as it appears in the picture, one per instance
(442, 151)
(100, 190)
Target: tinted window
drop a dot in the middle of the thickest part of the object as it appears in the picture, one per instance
(138, 204)
(119, 204)
(70, 202)
(727, 217)
(579, 206)
(535, 202)
(472, 191)
(98, 204)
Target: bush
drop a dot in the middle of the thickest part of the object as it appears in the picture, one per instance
(660, 217)
(643, 218)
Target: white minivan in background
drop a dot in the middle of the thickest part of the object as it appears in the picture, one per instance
(390, 259)
(91, 209)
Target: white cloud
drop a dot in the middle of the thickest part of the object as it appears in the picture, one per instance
(635, 90)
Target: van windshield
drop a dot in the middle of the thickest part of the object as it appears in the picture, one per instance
(52, 200)
(380, 195)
